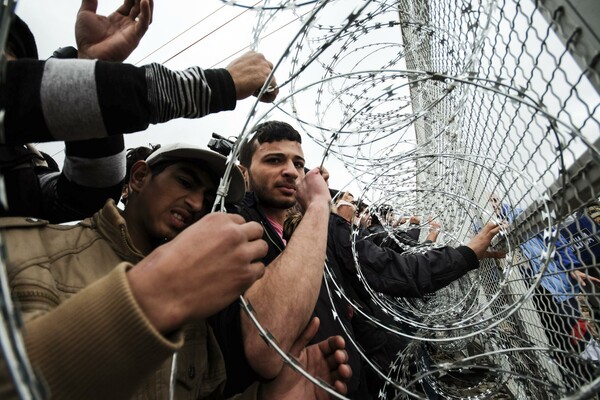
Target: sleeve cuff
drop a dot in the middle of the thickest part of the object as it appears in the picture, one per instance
(99, 335)
(223, 94)
(469, 256)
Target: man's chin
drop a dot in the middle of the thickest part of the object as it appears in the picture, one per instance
(166, 237)
(282, 204)
(274, 199)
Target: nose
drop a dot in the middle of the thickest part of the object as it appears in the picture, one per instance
(290, 170)
(195, 201)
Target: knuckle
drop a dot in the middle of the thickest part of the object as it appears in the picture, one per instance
(233, 233)
(238, 219)
(264, 247)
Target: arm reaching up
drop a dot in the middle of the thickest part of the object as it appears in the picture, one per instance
(111, 38)
(286, 296)
(111, 98)
(481, 242)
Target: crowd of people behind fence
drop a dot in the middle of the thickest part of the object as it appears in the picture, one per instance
(142, 301)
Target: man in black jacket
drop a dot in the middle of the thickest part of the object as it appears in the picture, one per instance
(284, 300)
(387, 271)
(292, 289)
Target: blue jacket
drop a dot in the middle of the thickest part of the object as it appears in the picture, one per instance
(555, 277)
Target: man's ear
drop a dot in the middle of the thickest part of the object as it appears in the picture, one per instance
(139, 176)
(244, 171)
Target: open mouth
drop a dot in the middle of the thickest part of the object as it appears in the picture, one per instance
(180, 220)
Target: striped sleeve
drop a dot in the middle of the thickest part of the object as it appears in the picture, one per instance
(191, 93)
(63, 99)
(95, 163)
(92, 173)
(69, 99)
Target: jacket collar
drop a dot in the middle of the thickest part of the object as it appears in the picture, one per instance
(110, 224)
(250, 203)
(251, 211)
(250, 200)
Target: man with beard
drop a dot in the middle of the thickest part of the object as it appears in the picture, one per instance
(272, 162)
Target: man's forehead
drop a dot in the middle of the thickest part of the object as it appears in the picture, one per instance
(196, 171)
(288, 147)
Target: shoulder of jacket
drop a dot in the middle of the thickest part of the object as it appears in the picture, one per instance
(22, 222)
(38, 243)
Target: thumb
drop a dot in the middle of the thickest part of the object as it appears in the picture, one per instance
(309, 332)
(89, 5)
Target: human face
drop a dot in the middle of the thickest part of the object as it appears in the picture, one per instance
(346, 207)
(365, 219)
(274, 171)
(170, 201)
(347, 196)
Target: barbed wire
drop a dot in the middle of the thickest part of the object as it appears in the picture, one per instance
(463, 112)
(467, 112)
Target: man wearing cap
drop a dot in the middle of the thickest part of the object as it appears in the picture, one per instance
(108, 301)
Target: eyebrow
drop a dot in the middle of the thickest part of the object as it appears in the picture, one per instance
(210, 185)
(296, 157)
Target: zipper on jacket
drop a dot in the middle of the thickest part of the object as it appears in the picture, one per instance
(126, 243)
(26, 295)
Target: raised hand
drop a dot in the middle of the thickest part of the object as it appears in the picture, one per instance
(326, 360)
(313, 188)
(434, 230)
(581, 277)
(111, 38)
(249, 73)
(481, 242)
(199, 272)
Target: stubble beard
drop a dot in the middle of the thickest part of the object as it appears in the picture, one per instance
(267, 201)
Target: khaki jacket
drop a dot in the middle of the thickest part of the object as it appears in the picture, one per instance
(84, 332)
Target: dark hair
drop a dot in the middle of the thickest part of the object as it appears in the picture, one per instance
(267, 132)
(136, 154)
(361, 206)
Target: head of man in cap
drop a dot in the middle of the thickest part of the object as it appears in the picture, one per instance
(173, 188)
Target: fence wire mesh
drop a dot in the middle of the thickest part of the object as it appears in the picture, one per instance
(461, 113)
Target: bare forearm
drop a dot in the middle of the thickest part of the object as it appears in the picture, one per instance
(432, 236)
(285, 297)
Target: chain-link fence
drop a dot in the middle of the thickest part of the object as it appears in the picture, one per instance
(462, 113)
(466, 112)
